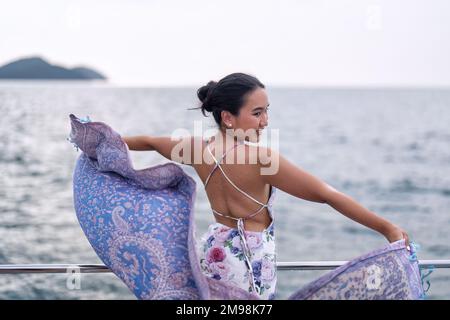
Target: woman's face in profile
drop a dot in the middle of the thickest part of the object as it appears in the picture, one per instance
(253, 116)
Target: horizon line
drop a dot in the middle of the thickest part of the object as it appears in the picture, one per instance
(102, 83)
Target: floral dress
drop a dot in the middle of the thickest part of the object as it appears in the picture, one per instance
(222, 258)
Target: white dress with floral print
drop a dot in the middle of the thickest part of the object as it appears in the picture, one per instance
(222, 258)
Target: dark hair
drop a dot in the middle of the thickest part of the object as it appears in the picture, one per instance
(228, 94)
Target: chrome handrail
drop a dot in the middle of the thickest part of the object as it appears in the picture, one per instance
(99, 268)
(329, 265)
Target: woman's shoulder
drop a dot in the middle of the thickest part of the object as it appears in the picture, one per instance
(264, 154)
(253, 153)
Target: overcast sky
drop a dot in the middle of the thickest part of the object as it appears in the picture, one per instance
(291, 42)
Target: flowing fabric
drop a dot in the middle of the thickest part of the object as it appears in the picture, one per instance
(141, 225)
(387, 273)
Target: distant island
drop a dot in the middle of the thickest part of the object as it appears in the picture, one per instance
(37, 68)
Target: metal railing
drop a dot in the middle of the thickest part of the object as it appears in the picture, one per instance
(99, 268)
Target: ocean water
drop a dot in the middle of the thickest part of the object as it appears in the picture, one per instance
(389, 149)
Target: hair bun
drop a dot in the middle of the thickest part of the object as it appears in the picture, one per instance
(203, 94)
(204, 91)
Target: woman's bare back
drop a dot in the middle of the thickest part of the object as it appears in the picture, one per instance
(224, 198)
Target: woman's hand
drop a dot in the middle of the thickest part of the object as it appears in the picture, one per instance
(395, 233)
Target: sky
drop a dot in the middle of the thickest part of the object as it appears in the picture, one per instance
(282, 42)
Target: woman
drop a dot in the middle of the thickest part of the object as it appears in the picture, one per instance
(240, 247)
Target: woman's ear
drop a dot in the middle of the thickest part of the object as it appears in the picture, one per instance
(227, 118)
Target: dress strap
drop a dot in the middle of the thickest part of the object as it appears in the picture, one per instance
(247, 253)
(251, 215)
(216, 161)
(228, 179)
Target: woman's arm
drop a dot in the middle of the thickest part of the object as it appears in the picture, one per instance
(353, 210)
(138, 143)
(164, 146)
(301, 184)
